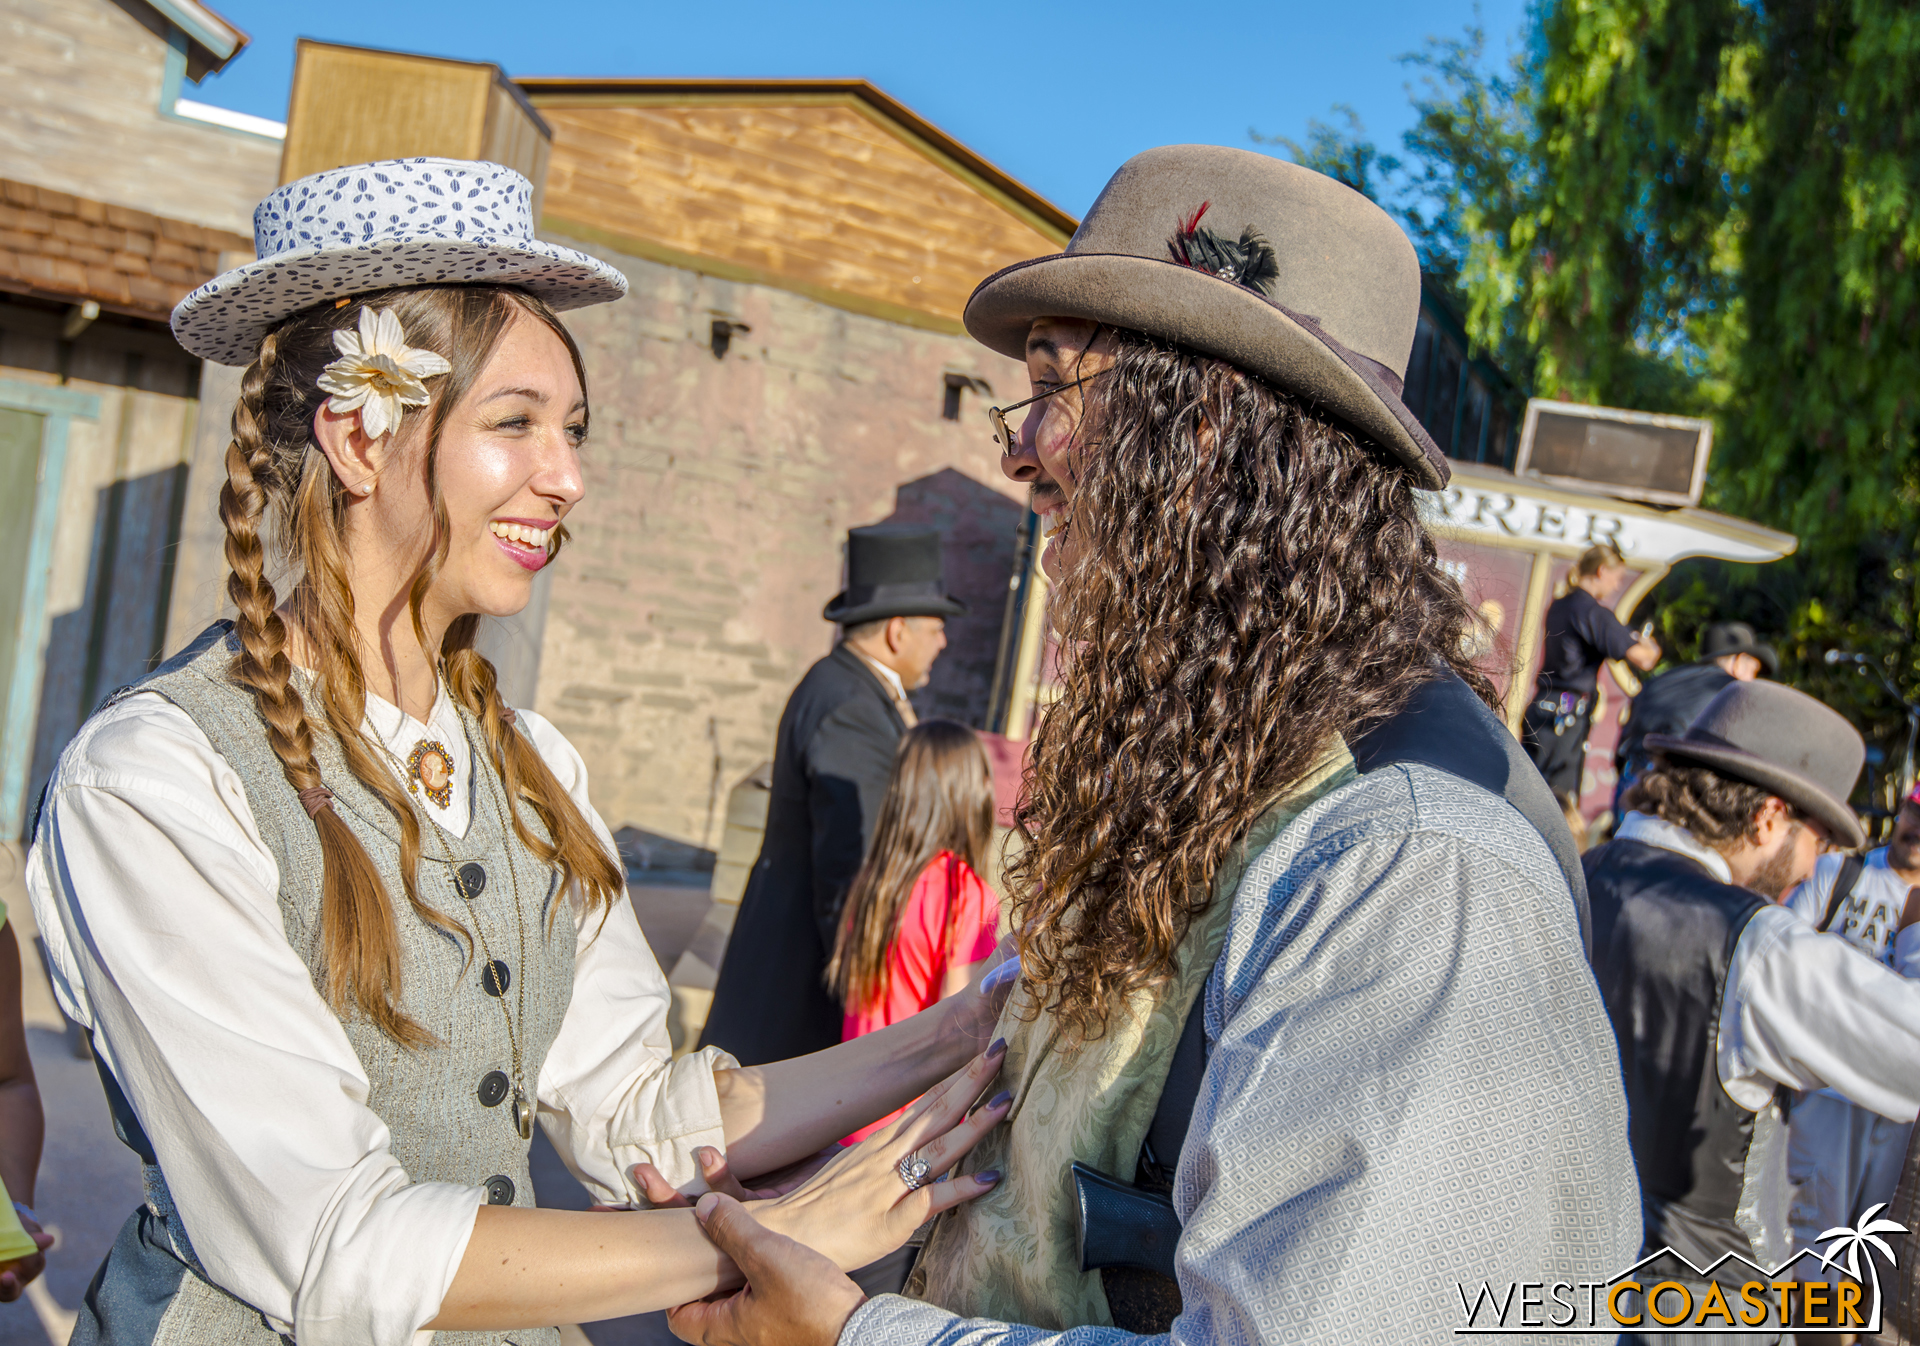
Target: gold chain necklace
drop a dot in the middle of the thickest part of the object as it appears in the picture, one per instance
(523, 1111)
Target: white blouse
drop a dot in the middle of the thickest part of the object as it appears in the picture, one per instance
(159, 905)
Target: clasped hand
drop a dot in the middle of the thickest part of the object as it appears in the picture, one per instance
(794, 1248)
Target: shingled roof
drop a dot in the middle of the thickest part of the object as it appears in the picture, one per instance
(59, 246)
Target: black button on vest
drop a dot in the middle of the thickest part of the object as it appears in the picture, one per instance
(499, 1190)
(473, 879)
(496, 977)
(493, 1088)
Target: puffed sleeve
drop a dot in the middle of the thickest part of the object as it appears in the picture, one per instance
(1810, 1011)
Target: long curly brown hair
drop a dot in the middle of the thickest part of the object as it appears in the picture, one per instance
(1250, 579)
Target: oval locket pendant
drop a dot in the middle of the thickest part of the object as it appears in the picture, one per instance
(522, 1115)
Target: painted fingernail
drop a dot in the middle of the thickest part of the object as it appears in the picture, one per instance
(1001, 1099)
(1001, 975)
(999, 1046)
(987, 1176)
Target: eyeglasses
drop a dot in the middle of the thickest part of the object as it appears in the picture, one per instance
(997, 416)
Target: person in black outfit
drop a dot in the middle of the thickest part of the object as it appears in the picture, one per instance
(1580, 636)
(1723, 1001)
(1667, 704)
(831, 763)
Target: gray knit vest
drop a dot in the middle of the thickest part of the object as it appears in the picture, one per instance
(449, 1119)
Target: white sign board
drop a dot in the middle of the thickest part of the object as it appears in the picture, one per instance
(1515, 516)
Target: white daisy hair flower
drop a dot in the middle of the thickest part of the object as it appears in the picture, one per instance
(378, 374)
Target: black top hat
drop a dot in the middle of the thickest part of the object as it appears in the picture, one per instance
(1724, 638)
(893, 570)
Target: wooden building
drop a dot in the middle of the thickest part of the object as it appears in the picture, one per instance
(117, 197)
(790, 363)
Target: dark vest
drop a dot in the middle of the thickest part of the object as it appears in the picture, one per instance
(1712, 1174)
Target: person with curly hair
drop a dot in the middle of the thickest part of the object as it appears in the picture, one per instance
(1304, 986)
(1724, 1000)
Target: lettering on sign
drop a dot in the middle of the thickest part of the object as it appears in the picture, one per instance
(1525, 518)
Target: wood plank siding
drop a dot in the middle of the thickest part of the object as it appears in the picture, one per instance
(350, 105)
(828, 188)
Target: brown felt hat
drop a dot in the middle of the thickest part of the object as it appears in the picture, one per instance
(1278, 270)
(1783, 741)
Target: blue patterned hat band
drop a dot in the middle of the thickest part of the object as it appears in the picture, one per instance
(395, 222)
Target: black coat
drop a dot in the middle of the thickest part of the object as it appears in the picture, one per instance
(1669, 703)
(831, 763)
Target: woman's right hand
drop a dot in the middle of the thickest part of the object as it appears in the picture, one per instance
(14, 1276)
(858, 1208)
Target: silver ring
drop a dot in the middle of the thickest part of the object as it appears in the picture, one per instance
(913, 1171)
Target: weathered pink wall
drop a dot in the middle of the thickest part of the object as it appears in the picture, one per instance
(720, 492)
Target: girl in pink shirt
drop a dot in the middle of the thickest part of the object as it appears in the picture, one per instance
(918, 917)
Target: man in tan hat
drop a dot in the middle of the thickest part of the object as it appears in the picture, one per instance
(1723, 1002)
(1306, 1034)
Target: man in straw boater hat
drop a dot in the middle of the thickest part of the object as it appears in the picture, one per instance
(1723, 1001)
(1306, 1033)
(831, 762)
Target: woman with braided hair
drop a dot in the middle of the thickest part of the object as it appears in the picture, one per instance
(344, 925)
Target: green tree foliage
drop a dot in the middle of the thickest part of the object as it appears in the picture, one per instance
(1709, 207)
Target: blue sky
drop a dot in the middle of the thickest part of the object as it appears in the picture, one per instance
(1059, 96)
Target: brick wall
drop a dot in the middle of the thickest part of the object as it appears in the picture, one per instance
(688, 604)
(57, 244)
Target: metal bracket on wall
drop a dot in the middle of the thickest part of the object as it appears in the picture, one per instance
(722, 336)
(957, 384)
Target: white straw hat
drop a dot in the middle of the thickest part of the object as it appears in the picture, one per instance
(373, 226)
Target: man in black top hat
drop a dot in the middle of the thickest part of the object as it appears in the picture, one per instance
(1669, 702)
(1724, 1002)
(831, 762)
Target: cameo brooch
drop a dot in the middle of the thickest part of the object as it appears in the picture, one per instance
(430, 767)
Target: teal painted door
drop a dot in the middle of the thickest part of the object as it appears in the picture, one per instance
(22, 433)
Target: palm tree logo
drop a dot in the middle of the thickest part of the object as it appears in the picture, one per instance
(1867, 1236)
